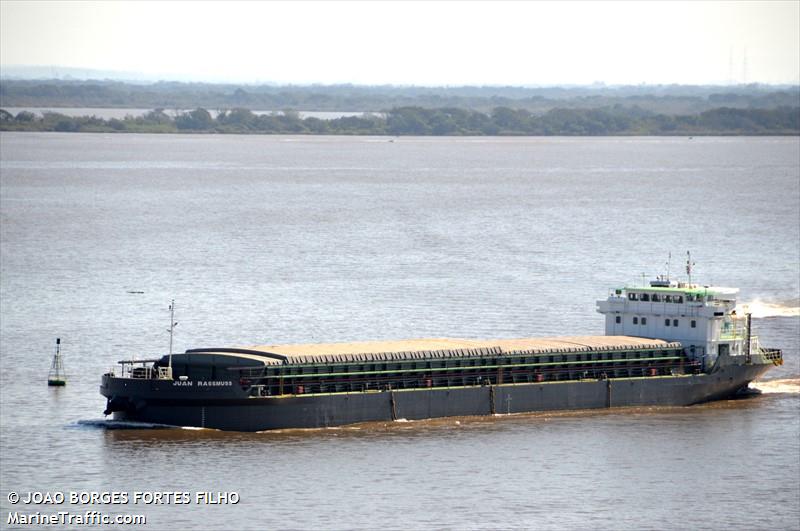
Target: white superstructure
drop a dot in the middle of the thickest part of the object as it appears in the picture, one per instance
(702, 318)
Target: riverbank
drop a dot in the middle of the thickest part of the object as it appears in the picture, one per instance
(418, 121)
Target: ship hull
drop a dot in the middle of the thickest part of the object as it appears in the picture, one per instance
(228, 407)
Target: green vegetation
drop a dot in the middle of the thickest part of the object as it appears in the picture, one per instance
(392, 110)
(671, 100)
(617, 120)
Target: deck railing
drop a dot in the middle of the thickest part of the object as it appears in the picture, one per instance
(772, 354)
(262, 385)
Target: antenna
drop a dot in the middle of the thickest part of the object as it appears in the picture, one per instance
(669, 259)
(730, 65)
(689, 265)
(744, 67)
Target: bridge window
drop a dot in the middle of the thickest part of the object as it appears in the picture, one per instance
(667, 298)
(678, 299)
(666, 322)
(632, 296)
(656, 298)
(694, 323)
(674, 322)
(644, 320)
(635, 320)
(645, 297)
(618, 319)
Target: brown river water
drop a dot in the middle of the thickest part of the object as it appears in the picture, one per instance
(278, 239)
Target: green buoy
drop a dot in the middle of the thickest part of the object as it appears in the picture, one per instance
(57, 377)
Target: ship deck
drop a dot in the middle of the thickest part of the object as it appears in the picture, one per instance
(443, 347)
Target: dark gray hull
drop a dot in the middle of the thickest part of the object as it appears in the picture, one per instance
(230, 408)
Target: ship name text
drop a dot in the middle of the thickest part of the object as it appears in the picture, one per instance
(202, 383)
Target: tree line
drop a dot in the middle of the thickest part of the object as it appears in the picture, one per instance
(415, 120)
(660, 99)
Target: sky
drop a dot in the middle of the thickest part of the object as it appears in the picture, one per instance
(412, 43)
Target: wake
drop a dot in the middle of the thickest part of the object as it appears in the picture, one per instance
(786, 385)
(761, 309)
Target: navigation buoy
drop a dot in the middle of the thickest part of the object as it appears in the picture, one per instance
(57, 377)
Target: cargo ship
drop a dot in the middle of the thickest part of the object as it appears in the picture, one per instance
(665, 344)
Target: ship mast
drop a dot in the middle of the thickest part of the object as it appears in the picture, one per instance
(669, 259)
(689, 265)
(171, 331)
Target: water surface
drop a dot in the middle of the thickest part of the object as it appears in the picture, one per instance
(278, 239)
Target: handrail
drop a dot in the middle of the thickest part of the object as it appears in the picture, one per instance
(472, 372)
(421, 381)
(616, 362)
(772, 354)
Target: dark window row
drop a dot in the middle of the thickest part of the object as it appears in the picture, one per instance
(655, 297)
(643, 321)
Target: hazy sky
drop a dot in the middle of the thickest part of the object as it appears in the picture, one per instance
(419, 43)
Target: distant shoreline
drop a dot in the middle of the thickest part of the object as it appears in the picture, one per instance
(660, 110)
(419, 121)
